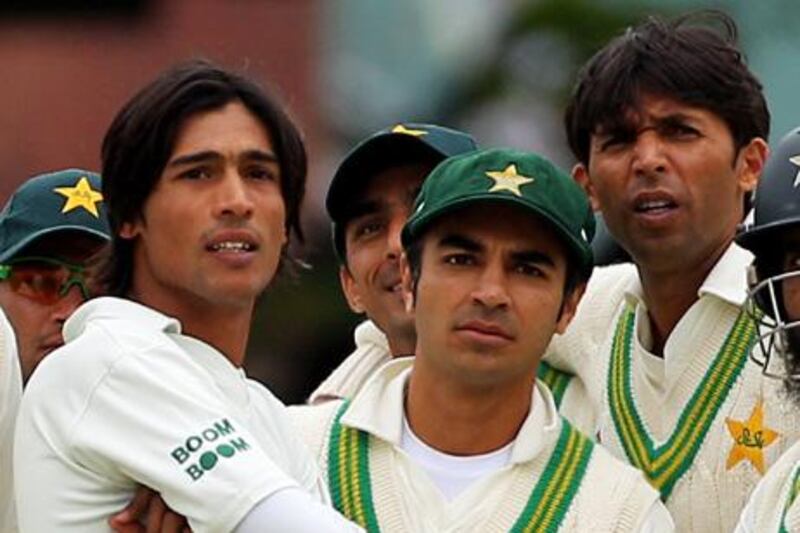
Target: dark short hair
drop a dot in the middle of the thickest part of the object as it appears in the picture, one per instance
(689, 58)
(141, 139)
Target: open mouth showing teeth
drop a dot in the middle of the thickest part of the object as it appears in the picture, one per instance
(232, 246)
(654, 205)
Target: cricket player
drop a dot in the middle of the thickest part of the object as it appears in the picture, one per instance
(368, 201)
(462, 437)
(774, 304)
(669, 126)
(203, 175)
(49, 228)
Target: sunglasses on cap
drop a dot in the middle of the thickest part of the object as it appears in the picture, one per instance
(43, 279)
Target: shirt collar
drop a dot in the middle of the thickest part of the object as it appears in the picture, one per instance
(727, 279)
(111, 308)
(378, 410)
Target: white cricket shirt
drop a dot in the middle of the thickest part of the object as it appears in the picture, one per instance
(129, 400)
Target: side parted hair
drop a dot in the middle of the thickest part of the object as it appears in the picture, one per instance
(693, 59)
(142, 136)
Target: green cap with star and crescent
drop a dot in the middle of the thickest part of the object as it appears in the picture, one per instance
(510, 176)
(65, 200)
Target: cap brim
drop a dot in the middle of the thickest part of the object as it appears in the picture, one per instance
(12, 251)
(581, 250)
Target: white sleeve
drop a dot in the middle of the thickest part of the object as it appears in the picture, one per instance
(657, 520)
(293, 511)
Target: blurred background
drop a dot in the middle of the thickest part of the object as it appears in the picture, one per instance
(500, 69)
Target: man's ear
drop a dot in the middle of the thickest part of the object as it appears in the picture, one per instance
(406, 283)
(569, 307)
(581, 174)
(751, 160)
(130, 230)
(350, 290)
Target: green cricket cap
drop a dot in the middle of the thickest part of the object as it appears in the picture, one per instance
(66, 200)
(513, 177)
(395, 145)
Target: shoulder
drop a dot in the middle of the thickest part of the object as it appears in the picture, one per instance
(372, 352)
(594, 319)
(314, 422)
(610, 283)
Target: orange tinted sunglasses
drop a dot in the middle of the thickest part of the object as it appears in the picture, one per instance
(44, 279)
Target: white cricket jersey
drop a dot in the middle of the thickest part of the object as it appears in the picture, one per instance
(372, 351)
(10, 393)
(702, 421)
(129, 400)
(373, 480)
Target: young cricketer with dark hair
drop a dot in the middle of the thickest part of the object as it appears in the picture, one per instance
(203, 178)
(669, 127)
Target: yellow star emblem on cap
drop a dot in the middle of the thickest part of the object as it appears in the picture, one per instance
(81, 195)
(750, 437)
(508, 180)
(406, 131)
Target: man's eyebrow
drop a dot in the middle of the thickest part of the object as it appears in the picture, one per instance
(196, 157)
(361, 208)
(533, 256)
(211, 155)
(454, 240)
(259, 155)
(673, 118)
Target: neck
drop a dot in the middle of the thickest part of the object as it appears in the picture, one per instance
(402, 343)
(669, 293)
(478, 419)
(226, 328)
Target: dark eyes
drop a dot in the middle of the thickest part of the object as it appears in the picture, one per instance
(464, 259)
(617, 139)
(528, 269)
(367, 228)
(259, 173)
(459, 259)
(678, 130)
(667, 130)
(196, 173)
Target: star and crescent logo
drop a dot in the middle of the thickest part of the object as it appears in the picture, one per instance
(81, 195)
(750, 437)
(508, 180)
(795, 160)
(407, 131)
